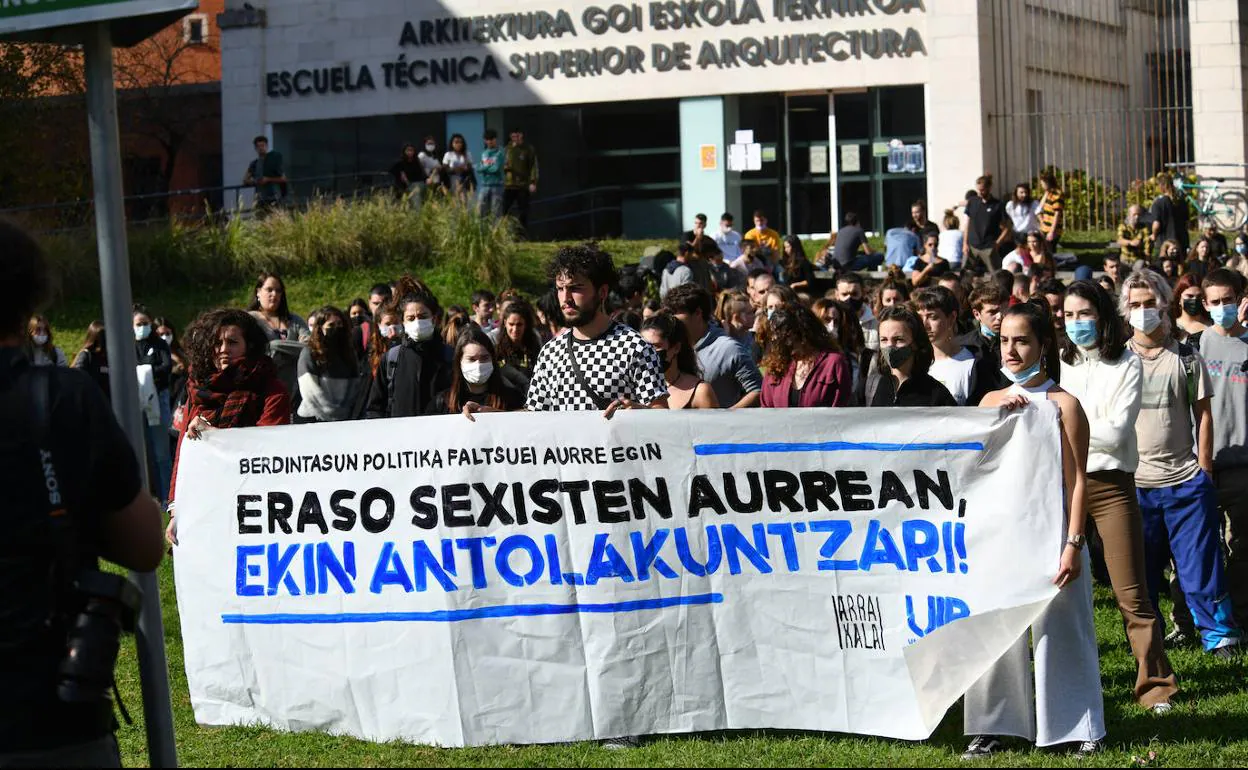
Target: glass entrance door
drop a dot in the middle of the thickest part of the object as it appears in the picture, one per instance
(880, 171)
(809, 203)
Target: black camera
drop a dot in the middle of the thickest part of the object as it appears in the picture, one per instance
(104, 605)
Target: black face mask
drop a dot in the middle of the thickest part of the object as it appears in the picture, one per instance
(1193, 307)
(897, 357)
(663, 360)
(855, 304)
(358, 320)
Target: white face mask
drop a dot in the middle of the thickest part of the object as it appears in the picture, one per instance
(832, 328)
(168, 338)
(389, 331)
(39, 339)
(142, 332)
(430, 147)
(419, 330)
(1146, 319)
(476, 372)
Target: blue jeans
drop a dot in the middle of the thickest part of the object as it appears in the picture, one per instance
(158, 450)
(867, 261)
(490, 200)
(1182, 522)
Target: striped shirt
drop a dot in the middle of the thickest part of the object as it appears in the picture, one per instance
(1051, 206)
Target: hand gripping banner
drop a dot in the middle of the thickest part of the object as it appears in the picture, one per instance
(534, 578)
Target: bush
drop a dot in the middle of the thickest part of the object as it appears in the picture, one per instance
(326, 234)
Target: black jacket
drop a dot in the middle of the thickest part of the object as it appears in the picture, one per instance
(919, 390)
(409, 379)
(95, 366)
(987, 375)
(155, 351)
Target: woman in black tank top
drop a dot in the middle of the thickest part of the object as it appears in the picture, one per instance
(685, 386)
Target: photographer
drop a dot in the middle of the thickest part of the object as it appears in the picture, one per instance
(74, 494)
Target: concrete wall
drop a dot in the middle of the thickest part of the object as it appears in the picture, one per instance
(1219, 30)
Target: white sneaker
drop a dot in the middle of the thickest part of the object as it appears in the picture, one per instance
(1161, 709)
(623, 742)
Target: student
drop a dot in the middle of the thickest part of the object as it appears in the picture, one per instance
(959, 368)
(768, 240)
(1174, 479)
(40, 349)
(849, 289)
(927, 266)
(407, 172)
(1062, 702)
(234, 383)
(803, 366)
(483, 307)
(475, 377)
(796, 272)
(517, 343)
(751, 259)
(949, 247)
(988, 305)
(845, 329)
(458, 164)
(851, 251)
(725, 364)
(151, 350)
(269, 306)
(677, 272)
(1225, 350)
(685, 386)
(417, 369)
(1188, 309)
(93, 358)
(490, 177)
(329, 371)
(728, 239)
(1098, 370)
(899, 376)
(737, 317)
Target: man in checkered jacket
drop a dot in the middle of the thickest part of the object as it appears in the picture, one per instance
(598, 364)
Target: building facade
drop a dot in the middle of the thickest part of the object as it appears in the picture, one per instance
(646, 113)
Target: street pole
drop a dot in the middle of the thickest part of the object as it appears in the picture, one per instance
(110, 229)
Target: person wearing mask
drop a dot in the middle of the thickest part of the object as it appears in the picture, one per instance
(987, 305)
(899, 374)
(851, 250)
(519, 178)
(387, 332)
(845, 329)
(1062, 702)
(959, 368)
(768, 240)
(234, 384)
(803, 366)
(517, 344)
(1174, 481)
(1169, 214)
(152, 351)
(1052, 214)
(685, 386)
(431, 169)
(927, 266)
(849, 289)
(1225, 351)
(489, 173)
(796, 272)
(725, 364)
(40, 349)
(1024, 213)
(458, 164)
(986, 229)
(413, 372)
(1238, 260)
(476, 377)
(329, 371)
(728, 239)
(103, 511)
(361, 329)
(269, 307)
(1098, 370)
(407, 172)
(1134, 238)
(92, 360)
(1188, 310)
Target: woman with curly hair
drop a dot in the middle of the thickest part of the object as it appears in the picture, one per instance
(233, 382)
(329, 372)
(803, 365)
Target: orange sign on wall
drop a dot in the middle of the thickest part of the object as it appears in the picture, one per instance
(710, 157)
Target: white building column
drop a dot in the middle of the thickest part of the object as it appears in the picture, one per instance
(1219, 96)
(957, 139)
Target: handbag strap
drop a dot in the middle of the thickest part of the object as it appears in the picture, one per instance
(599, 401)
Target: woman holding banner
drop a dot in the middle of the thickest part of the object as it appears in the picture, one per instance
(1069, 707)
(233, 382)
(1107, 379)
(476, 377)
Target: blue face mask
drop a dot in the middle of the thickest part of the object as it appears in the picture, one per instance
(1024, 375)
(987, 332)
(1224, 315)
(770, 312)
(1082, 333)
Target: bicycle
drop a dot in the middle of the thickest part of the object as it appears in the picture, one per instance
(1228, 209)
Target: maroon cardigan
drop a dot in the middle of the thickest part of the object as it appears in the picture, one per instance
(829, 384)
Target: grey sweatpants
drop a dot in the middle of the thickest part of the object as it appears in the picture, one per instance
(1068, 705)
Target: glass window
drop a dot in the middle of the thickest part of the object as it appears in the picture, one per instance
(901, 111)
(853, 116)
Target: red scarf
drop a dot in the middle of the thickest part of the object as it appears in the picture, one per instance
(234, 397)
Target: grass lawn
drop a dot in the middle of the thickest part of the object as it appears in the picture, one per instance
(1208, 727)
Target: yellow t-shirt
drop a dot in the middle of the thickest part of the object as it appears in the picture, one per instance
(766, 238)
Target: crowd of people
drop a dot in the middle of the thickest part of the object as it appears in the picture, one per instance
(1148, 364)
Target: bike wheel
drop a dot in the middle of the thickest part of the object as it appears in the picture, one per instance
(1229, 210)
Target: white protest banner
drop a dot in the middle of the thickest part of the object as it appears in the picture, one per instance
(533, 578)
